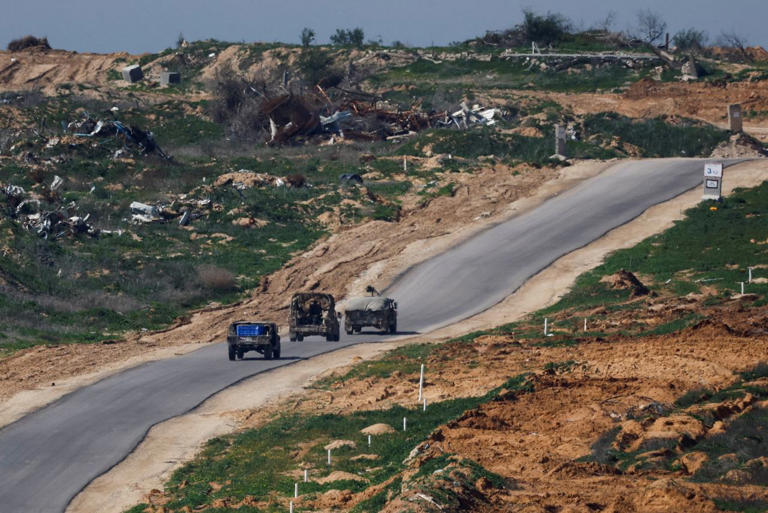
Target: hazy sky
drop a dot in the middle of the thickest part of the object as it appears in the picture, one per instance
(149, 26)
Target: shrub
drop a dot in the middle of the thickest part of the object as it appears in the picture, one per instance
(216, 278)
(28, 42)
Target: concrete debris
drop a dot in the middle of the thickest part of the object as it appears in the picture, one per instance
(170, 78)
(466, 117)
(143, 140)
(347, 178)
(132, 73)
(57, 183)
(143, 213)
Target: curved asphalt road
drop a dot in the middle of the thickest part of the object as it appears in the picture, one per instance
(47, 457)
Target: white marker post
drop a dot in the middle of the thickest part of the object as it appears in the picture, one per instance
(585, 324)
(546, 326)
(421, 382)
(742, 287)
(405, 163)
(749, 278)
(295, 490)
(306, 475)
(425, 404)
(329, 457)
(290, 507)
(405, 423)
(369, 440)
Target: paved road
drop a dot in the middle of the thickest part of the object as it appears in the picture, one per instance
(47, 457)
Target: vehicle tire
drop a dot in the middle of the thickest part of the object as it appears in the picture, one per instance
(240, 354)
(393, 328)
(358, 329)
(268, 353)
(300, 338)
(292, 338)
(232, 352)
(348, 330)
(276, 352)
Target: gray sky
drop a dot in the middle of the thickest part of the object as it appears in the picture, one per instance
(152, 25)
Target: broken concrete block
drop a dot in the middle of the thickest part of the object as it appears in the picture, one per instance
(132, 73)
(560, 140)
(170, 77)
(735, 121)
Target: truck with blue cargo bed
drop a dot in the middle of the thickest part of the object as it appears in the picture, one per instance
(244, 336)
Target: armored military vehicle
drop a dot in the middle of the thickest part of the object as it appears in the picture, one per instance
(314, 313)
(244, 336)
(379, 312)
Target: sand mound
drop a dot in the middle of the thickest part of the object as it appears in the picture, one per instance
(337, 444)
(740, 146)
(338, 475)
(626, 280)
(378, 429)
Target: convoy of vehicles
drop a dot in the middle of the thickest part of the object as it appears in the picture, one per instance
(312, 313)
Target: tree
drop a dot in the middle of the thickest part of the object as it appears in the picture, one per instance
(690, 40)
(354, 37)
(737, 41)
(651, 26)
(606, 24)
(544, 28)
(307, 36)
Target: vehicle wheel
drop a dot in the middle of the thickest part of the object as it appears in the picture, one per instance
(393, 328)
(276, 352)
(348, 330)
(358, 329)
(240, 354)
(268, 353)
(232, 353)
(300, 338)
(292, 338)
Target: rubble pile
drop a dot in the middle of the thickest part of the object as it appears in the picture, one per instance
(30, 210)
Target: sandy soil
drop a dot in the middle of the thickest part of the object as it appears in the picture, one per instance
(236, 407)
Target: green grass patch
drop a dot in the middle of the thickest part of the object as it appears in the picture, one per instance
(257, 463)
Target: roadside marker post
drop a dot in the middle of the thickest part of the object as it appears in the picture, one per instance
(713, 180)
(546, 323)
(742, 287)
(369, 440)
(421, 382)
(585, 324)
(425, 404)
(295, 490)
(405, 423)
(329, 457)
(306, 475)
(290, 507)
(749, 280)
(405, 163)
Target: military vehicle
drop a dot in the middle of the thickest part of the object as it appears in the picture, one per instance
(314, 313)
(244, 336)
(379, 312)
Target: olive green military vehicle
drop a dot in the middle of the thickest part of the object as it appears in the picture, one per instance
(379, 312)
(314, 313)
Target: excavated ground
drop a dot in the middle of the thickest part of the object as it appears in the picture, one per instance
(538, 440)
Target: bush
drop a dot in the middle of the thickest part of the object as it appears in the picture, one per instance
(690, 39)
(28, 42)
(216, 278)
(353, 37)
